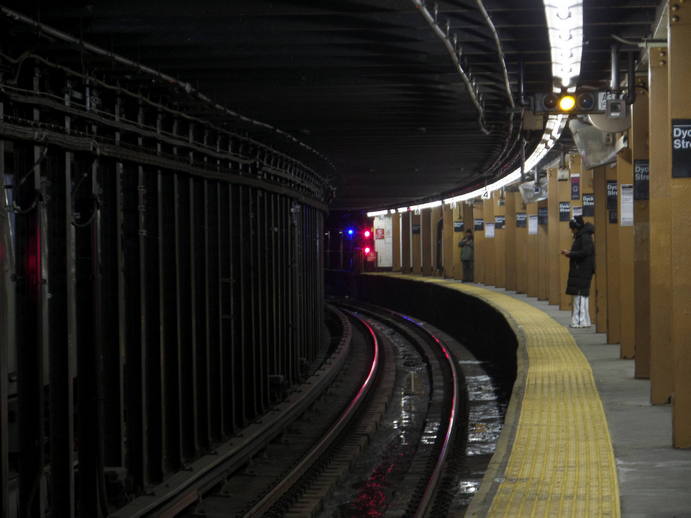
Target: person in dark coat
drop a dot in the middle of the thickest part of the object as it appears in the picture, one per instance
(467, 255)
(581, 270)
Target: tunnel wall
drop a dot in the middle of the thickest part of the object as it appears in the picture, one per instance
(161, 282)
(473, 322)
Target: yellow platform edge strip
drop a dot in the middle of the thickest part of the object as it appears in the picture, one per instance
(554, 456)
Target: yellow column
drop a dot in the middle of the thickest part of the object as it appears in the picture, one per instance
(680, 113)
(600, 194)
(531, 253)
(625, 262)
(612, 231)
(641, 245)
(437, 241)
(406, 242)
(565, 241)
(587, 191)
(542, 253)
(490, 260)
(499, 201)
(521, 245)
(510, 240)
(449, 243)
(416, 224)
(660, 310)
(396, 242)
(479, 236)
(465, 212)
(554, 294)
(426, 241)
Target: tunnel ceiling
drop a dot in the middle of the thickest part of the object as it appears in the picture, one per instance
(366, 82)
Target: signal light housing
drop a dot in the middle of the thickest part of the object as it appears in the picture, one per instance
(581, 101)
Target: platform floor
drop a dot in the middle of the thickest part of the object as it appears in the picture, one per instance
(580, 437)
(654, 478)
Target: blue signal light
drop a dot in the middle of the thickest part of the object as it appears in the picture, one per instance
(350, 232)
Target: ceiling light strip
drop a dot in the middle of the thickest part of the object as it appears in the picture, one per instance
(451, 43)
(565, 26)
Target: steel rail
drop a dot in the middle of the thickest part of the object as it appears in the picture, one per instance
(433, 482)
(190, 484)
(186, 87)
(318, 449)
(429, 492)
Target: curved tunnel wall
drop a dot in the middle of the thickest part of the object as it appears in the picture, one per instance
(161, 285)
(476, 324)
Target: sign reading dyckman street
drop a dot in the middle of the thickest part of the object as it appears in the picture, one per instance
(641, 179)
(681, 148)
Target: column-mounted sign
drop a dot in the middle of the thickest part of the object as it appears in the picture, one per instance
(612, 215)
(564, 211)
(532, 224)
(416, 228)
(521, 220)
(479, 224)
(542, 216)
(489, 230)
(458, 226)
(626, 205)
(499, 222)
(612, 194)
(588, 205)
(575, 186)
(378, 233)
(577, 210)
(641, 179)
(681, 148)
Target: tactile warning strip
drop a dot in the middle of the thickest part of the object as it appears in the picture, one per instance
(555, 456)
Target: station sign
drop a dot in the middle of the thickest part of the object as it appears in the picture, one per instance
(416, 228)
(576, 187)
(479, 224)
(641, 179)
(564, 211)
(612, 194)
(542, 216)
(681, 148)
(588, 205)
(521, 220)
(458, 226)
(499, 222)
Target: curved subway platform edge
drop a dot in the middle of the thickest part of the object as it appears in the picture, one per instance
(554, 456)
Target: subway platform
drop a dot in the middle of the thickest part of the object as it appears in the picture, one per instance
(580, 437)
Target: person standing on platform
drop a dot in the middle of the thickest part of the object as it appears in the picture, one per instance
(467, 255)
(581, 270)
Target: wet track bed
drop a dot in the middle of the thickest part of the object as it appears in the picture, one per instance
(398, 454)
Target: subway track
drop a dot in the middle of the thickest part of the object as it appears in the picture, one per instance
(303, 467)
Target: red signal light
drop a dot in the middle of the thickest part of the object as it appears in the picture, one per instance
(367, 233)
(367, 250)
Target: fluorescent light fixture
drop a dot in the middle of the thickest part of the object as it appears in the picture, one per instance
(565, 27)
(402, 209)
(429, 205)
(377, 213)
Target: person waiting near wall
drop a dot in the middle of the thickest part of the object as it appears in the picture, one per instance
(581, 270)
(467, 255)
